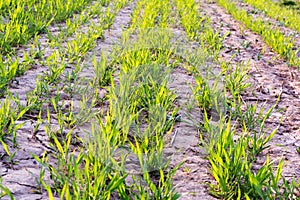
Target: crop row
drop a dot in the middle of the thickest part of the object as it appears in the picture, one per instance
(134, 124)
(274, 38)
(22, 20)
(288, 17)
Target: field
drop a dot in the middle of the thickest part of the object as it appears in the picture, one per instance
(149, 99)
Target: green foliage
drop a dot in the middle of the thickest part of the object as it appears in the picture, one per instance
(202, 94)
(56, 65)
(7, 72)
(25, 19)
(190, 19)
(236, 79)
(92, 173)
(198, 27)
(139, 101)
(103, 72)
(288, 17)
(4, 191)
(150, 14)
(8, 126)
(231, 166)
(277, 41)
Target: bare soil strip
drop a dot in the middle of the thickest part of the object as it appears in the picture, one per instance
(192, 178)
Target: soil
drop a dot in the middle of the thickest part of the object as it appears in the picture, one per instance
(269, 75)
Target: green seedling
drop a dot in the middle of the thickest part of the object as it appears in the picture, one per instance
(37, 97)
(8, 70)
(236, 80)
(4, 191)
(150, 156)
(37, 125)
(40, 179)
(258, 142)
(8, 126)
(214, 40)
(289, 189)
(25, 23)
(56, 65)
(70, 87)
(27, 62)
(36, 51)
(95, 170)
(232, 169)
(287, 16)
(250, 118)
(109, 17)
(71, 26)
(298, 150)
(283, 45)
(190, 19)
(150, 92)
(78, 47)
(65, 118)
(202, 93)
(103, 72)
(86, 111)
(104, 2)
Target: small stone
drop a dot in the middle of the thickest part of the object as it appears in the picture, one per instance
(265, 90)
(63, 95)
(178, 118)
(3, 19)
(102, 93)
